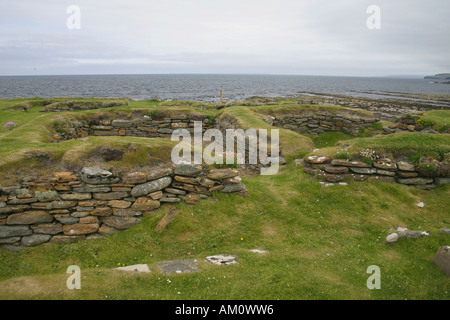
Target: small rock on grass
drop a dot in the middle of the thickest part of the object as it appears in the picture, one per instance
(259, 251)
(412, 234)
(135, 268)
(442, 259)
(393, 237)
(221, 260)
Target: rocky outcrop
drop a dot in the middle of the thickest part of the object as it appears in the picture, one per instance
(69, 206)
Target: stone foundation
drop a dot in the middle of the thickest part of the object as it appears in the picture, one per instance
(138, 124)
(386, 170)
(68, 206)
(53, 106)
(318, 122)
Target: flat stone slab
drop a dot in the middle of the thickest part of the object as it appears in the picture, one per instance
(259, 251)
(406, 234)
(12, 247)
(96, 175)
(179, 266)
(330, 184)
(221, 260)
(150, 187)
(135, 268)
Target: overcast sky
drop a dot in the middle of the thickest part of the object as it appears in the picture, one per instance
(305, 37)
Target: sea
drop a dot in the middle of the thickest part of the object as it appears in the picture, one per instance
(207, 87)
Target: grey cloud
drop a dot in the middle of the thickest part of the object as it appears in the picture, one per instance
(199, 36)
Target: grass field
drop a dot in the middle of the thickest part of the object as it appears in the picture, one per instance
(320, 242)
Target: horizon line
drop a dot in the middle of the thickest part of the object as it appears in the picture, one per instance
(212, 74)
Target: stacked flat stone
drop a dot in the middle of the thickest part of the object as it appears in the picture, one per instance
(140, 125)
(387, 170)
(67, 207)
(318, 122)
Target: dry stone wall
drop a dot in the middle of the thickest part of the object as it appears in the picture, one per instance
(226, 122)
(52, 106)
(68, 206)
(387, 170)
(145, 128)
(137, 125)
(318, 122)
(410, 123)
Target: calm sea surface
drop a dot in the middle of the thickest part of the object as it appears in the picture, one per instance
(207, 87)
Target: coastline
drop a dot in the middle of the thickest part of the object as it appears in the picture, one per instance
(206, 88)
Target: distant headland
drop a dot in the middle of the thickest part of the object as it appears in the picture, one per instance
(439, 76)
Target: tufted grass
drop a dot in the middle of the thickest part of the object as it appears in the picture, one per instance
(440, 118)
(33, 132)
(329, 138)
(289, 108)
(411, 146)
(320, 241)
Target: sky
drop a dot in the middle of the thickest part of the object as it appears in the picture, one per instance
(295, 37)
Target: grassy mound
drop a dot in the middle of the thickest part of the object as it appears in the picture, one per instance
(414, 147)
(320, 242)
(292, 144)
(30, 129)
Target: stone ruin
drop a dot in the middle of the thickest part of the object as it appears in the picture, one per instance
(69, 206)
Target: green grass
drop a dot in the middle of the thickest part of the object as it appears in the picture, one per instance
(412, 146)
(440, 118)
(408, 144)
(374, 129)
(329, 139)
(34, 130)
(292, 144)
(290, 108)
(320, 243)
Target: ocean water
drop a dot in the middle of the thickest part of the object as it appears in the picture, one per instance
(207, 87)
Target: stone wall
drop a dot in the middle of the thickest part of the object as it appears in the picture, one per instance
(410, 123)
(136, 125)
(320, 121)
(387, 170)
(71, 105)
(68, 206)
(224, 122)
